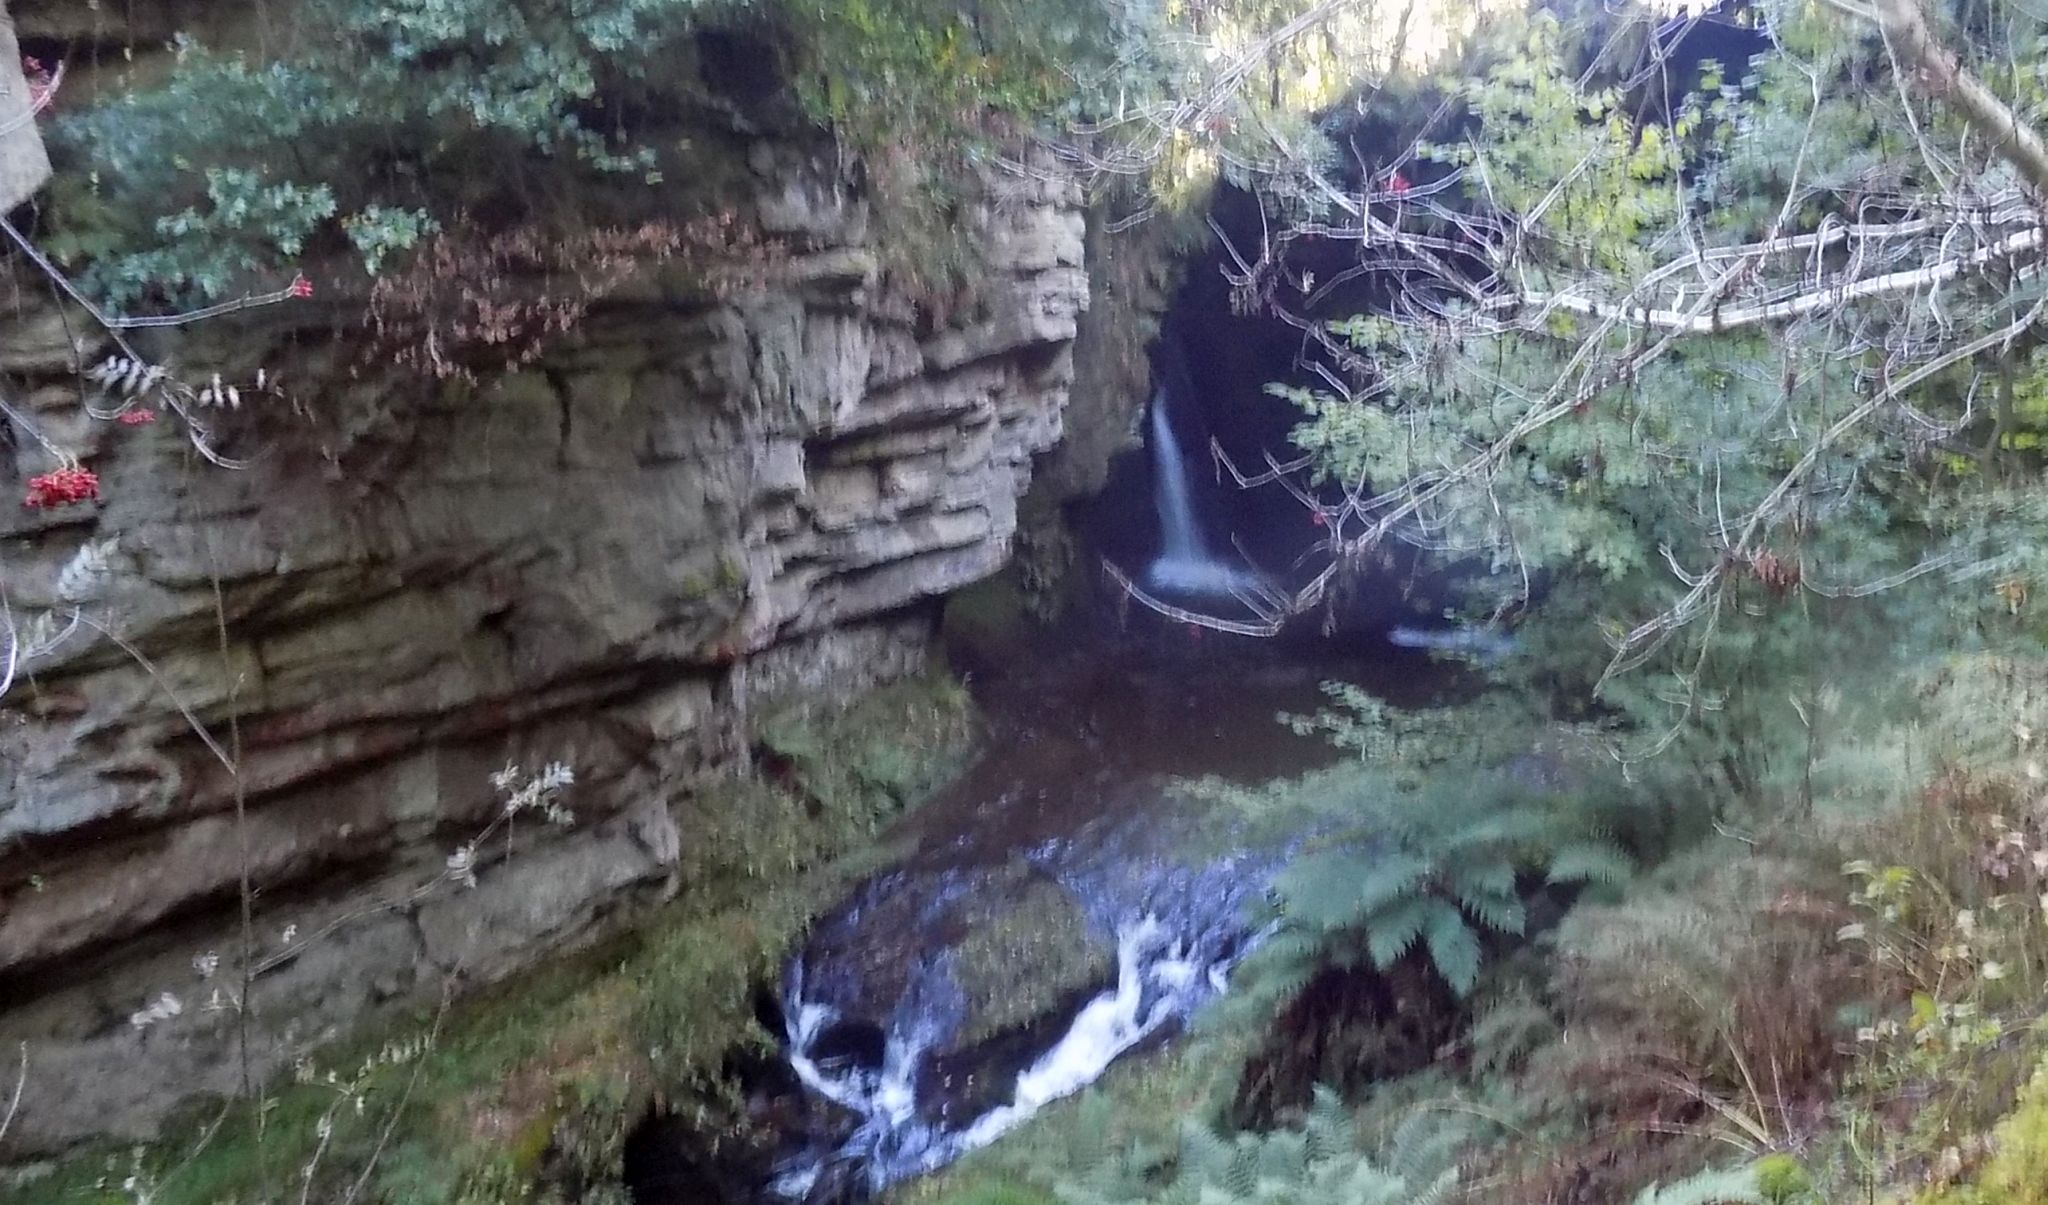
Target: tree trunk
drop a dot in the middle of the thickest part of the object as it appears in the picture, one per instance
(24, 165)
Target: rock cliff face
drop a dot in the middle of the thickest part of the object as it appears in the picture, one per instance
(604, 559)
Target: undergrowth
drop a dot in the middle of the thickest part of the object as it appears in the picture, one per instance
(1835, 1001)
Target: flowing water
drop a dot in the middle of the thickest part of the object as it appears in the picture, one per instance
(1184, 565)
(1069, 899)
(1070, 825)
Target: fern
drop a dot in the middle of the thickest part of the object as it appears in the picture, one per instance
(1453, 947)
(1725, 1187)
(1320, 1164)
(1505, 1033)
(1587, 862)
(1392, 933)
(1436, 870)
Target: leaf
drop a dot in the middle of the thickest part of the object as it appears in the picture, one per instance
(1392, 933)
(1590, 863)
(1728, 1187)
(1501, 913)
(1484, 878)
(1332, 890)
(1453, 947)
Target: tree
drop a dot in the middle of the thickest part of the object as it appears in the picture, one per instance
(1691, 353)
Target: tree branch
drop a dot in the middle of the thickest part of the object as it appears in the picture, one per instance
(1941, 75)
(1717, 320)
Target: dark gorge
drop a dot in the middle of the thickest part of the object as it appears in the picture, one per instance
(1022, 602)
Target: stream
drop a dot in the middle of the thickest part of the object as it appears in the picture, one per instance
(1062, 903)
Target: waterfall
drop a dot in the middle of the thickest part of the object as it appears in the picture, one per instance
(1184, 565)
(1176, 513)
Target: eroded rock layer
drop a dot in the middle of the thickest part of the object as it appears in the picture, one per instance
(603, 559)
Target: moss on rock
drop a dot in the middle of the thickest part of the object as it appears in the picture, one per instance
(1023, 955)
(526, 1093)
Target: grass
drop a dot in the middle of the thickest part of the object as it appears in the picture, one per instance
(526, 1093)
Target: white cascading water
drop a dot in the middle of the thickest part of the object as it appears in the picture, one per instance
(1183, 541)
(1178, 929)
(1161, 979)
(1184, 564)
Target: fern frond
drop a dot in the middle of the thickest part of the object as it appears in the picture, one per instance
(1328, 1126)
(1507, 1031)
(1439, 1191)
(1331, 890)
(1711, 1187)
(1283, 1158)
(1590, 862)
(1241, 1178)
(1453, 947)
(1204, 1156)
(1392, 933)
(1491, 876)
(1501, 913)
(1366, 1183)
(1506, 827)
(1424, 1146)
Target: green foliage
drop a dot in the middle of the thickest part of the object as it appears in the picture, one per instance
(1714, 982)
(1324, 1163)
(1617, 498)
(1417, 851)
(1707, 1188)
(2017, 1171)
(999, 1193)
(379, 123)
(855, 768)
(1781, 1180)
(381, 231)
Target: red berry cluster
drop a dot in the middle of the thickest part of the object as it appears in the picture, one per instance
(140, 416)
(62, 487)
(300, 288)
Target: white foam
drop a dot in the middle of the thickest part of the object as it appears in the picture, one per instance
(1481, 642)
(1156, 982)
(1185, 575)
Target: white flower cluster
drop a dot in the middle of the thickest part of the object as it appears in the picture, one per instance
(163, 1008)
(462, 865)
(126, 376)
(541, 793)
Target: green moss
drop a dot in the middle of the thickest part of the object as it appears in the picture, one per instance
(1023, 955)
(857, 767)
(989, 617)
(999, 1192)
(1782, 1180)
(526, 1093)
